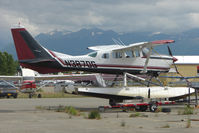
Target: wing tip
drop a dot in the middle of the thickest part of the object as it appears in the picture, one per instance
(162, 41)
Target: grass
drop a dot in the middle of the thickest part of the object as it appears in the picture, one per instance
(159, 109)
(137, 114)
(67, 109)
(72, 111)
(94, 115)
(188, 125)
(187, 111)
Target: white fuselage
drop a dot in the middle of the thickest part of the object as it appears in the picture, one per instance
(108, 62)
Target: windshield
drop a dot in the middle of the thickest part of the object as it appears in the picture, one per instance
(93, 54)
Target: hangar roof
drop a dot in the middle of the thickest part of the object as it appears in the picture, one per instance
(187, 60)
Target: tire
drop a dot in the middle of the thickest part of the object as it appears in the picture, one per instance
(112, 102)
(153, 107)
(143, 108)
(39, 96)
(15, 96)
(166, 110)
(30, 95)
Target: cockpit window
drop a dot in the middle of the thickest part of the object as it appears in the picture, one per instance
(93, 54)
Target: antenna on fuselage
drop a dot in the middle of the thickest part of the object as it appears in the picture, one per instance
(118, 42)
(121, 41)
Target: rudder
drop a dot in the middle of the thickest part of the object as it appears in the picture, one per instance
(27, 47)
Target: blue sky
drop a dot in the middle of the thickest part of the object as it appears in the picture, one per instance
(121, 16)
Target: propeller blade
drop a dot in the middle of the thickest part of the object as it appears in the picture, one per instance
(169, 50)
(170, 53)
(176, 68)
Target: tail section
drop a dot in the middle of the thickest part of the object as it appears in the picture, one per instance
(31, 54)
(27, 47)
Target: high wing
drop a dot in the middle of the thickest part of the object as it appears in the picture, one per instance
(130, 46)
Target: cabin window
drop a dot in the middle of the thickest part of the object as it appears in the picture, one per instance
(128, 54)
(117, 55)
(93, 54)
(136, 53)
(105, 56)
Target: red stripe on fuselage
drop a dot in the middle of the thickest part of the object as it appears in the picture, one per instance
(57, 57)
(125, 66)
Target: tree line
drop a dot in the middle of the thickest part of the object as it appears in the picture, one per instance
(8, 66)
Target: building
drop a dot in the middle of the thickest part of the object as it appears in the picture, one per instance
(188, 66)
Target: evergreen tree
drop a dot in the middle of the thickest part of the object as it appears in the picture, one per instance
(7, 64)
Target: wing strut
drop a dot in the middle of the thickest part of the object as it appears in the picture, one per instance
(147, 61)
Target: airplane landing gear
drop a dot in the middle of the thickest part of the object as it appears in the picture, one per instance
(39, 96)
(153, 107)
(113, 102)
(32, 94)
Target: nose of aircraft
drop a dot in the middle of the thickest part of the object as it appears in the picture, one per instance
(174, 59)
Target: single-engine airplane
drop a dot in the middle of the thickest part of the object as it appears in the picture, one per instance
(129, 60)
(112, 59)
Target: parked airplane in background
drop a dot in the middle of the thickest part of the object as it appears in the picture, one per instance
(112, 59)
(27, 81)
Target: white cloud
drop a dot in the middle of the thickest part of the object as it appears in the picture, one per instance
(122, 16)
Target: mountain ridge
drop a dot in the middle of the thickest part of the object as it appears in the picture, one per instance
(75, 43)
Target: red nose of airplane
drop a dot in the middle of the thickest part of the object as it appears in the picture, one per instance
(175, 59)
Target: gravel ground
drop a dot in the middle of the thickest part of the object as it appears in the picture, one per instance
(22, 116)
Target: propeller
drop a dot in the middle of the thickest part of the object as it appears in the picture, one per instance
(188, 83)
(174, 60)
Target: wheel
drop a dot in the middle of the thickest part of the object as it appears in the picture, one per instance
(30, 95)
(8, 96)
(15, 96)
(153, 107)
(112, 102)
(39, 96)
(143, 108)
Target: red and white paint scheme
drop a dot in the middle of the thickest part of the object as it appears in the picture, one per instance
(112, 59)
(137, 58)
